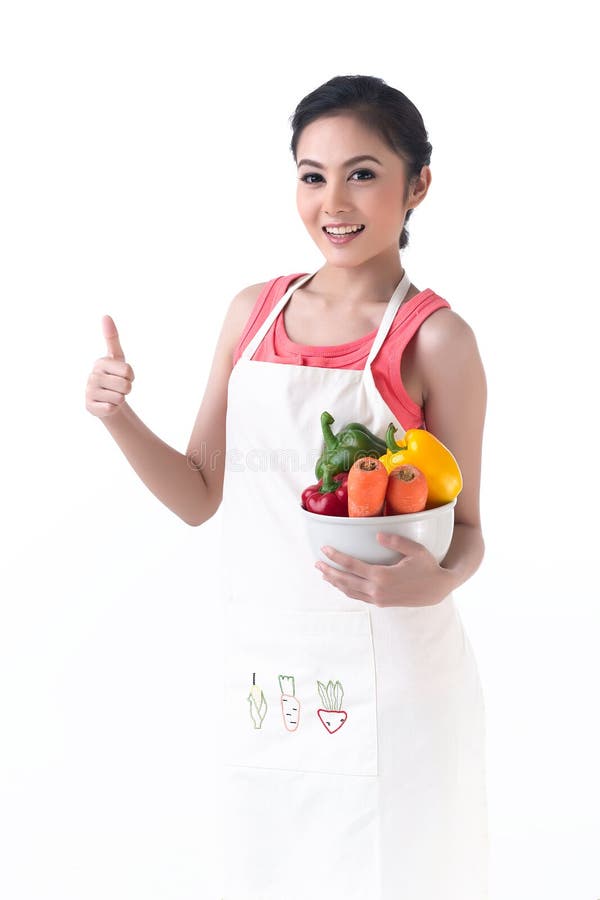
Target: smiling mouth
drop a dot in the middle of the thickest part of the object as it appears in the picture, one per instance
(358, 230)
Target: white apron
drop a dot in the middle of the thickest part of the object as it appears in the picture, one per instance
(353, 735)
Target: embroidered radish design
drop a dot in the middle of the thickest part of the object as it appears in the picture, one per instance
(290, 706)
(258, 704)
(333, 716)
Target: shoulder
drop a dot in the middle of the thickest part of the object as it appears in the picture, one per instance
(443, 326)
(243, 312)
(444, 342)
(244, 300)
(242, 306)
(237, 314)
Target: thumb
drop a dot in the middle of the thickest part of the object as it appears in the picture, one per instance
(111, 335)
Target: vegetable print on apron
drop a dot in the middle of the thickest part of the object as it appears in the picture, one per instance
(353, 735)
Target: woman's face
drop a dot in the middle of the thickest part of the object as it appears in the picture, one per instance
(363, 192)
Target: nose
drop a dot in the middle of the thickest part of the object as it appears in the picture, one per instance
(334, 200)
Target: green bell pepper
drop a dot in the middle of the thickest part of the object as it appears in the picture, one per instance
(341, 450)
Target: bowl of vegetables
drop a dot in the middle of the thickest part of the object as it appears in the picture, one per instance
(410, 489)
(358, 536)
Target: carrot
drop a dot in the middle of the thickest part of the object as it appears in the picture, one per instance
(367, 484)
(406, 490)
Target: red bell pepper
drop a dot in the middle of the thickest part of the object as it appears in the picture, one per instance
(329, 496)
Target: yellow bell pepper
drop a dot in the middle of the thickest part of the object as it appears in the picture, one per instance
(421, 449)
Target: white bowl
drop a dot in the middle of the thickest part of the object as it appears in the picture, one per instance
(358, 536)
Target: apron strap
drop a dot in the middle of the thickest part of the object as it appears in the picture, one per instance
(388, 317)
(384, 327)
(252, 346)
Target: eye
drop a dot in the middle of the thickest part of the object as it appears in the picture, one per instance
(316, 175)
(310, 175)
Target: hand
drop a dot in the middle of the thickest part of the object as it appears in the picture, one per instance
(416, 580)
(111, 378)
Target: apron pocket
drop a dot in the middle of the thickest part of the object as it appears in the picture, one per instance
(300, 691)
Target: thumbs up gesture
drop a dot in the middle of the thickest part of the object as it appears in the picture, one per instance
(111, 378)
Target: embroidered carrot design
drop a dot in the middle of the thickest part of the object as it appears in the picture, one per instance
(290, 705)
(332, 716)
(258, 704)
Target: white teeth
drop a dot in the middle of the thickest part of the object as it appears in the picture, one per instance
(344, 230)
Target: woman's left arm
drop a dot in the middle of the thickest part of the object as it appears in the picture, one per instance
(454, 406)
(454, 409)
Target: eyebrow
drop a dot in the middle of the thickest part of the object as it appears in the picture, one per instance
(349, 162)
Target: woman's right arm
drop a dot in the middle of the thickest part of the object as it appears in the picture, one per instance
(189, 484)
(205, 453)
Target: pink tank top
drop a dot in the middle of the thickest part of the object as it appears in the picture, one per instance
(277, 347)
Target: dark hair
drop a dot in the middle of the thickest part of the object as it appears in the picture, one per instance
(379, 107)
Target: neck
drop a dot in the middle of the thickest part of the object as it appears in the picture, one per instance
(372, 281)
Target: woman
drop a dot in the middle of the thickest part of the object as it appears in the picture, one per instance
(353, 711)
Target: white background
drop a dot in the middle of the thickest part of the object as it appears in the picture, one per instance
(146, 173)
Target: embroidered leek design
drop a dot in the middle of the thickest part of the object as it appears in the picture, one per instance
(332, 716)
(290, 705)
(258, 703)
